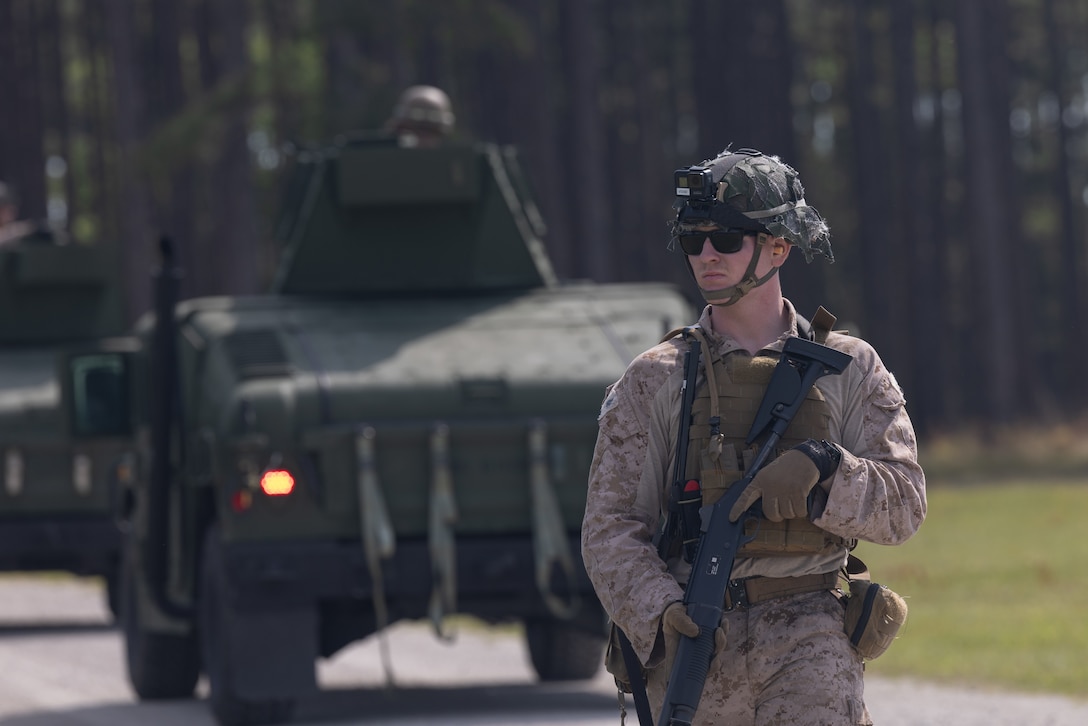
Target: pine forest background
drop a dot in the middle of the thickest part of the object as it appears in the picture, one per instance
(945, 141)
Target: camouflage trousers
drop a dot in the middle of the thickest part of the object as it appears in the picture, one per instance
(787, 662)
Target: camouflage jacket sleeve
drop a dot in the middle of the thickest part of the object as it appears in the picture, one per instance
(622, 511)
(878, 493)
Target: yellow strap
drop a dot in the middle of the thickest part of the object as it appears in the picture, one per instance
(714, 447)
(672, 334)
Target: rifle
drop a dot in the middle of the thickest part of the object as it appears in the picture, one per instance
(802, 362)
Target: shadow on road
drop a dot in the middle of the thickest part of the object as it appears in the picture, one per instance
(375, 706)
(54, 628)
(362, 707)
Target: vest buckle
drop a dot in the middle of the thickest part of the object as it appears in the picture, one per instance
(736, 595)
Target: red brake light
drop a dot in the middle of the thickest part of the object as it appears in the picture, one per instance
(241, 500)
(277, 482)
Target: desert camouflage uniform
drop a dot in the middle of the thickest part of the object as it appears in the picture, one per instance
(787, 660)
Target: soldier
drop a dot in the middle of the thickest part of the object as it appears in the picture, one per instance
(781, 656)
(422, 117)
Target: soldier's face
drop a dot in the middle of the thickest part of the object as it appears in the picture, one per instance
(714, 269)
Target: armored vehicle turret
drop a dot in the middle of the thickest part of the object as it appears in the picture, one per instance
(402, 429)
(59, 482)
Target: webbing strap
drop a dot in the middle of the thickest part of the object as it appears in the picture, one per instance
(714, 448)
(754, 590)
(822, 324)
(638, 684)
(440, 535)
(550, 545)
(376, 530)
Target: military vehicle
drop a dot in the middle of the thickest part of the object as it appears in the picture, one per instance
(401, 429)
(65, 445)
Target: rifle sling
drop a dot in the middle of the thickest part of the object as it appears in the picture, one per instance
(638, 685)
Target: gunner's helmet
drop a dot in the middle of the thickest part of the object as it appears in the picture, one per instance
(423, 110)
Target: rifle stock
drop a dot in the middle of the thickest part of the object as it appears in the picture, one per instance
(802, 363)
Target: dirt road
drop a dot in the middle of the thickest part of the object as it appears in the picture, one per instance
(61, 664)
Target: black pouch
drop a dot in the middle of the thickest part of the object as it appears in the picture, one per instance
(614, 662)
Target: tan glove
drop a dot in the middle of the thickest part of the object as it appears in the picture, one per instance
(784, 485)
(674, 623)
(721, 637)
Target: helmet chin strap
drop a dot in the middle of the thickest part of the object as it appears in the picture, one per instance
(729, 295)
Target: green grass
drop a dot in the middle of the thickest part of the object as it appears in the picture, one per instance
(996, 582)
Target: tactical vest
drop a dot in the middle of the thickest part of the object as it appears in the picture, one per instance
(741, 381)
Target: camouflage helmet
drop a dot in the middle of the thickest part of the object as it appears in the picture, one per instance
(425, 108)
(768, 194)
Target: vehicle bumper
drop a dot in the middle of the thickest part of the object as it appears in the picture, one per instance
(83, 545)
(495, 576)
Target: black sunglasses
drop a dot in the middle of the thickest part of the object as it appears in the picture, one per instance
(725, 241)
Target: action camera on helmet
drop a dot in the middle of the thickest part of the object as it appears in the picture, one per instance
(695, 182)
(697, 203)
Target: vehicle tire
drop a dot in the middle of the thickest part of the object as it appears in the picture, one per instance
(215, 618)
(561, 651)
(160, 665)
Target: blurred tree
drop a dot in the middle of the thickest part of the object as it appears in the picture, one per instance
(881, 239)
(225, 69)
(980, 34)
(175, 182)
(944, 142)
(23, 150)
(129, 132)
(1070, 233)
(640, 172)
(529, 117)
(916, 210)
(587, 180)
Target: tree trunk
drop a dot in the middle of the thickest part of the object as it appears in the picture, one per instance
(528, 108)
(229, 256)
(176, 208)
(56, 108)
(881, 265)
(1071, 309)
(21, 156)
(587, 180)
(129, 130)
(912, 224)
(985, 131)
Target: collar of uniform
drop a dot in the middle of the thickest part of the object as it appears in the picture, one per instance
(724, 344)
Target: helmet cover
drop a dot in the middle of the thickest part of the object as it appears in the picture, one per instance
(769, 195)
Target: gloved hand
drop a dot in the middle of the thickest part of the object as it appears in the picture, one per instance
(721, 637)
(784, 484)
(674, 623)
